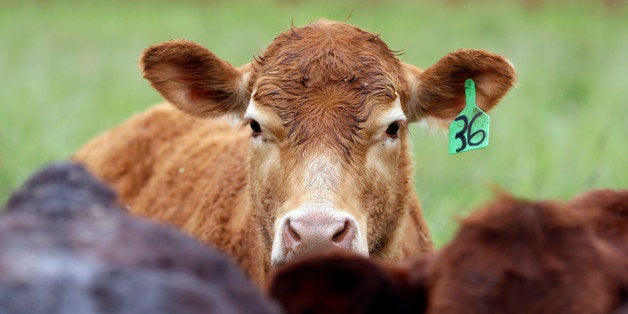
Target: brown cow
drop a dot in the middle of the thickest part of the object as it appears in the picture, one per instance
(519, 256)
(514, 256)
(326, 162)
(343, 282)
(607, 211)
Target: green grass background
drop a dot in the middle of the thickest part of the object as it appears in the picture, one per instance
(68, 71)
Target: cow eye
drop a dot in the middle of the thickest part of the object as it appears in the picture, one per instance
(393, 130)
(257, 129)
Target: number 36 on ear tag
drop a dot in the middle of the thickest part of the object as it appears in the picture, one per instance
(469, 130)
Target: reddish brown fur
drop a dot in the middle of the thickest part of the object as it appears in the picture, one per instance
(338, 282)
(159, 181)
(607, 212)
(325, 80)
(513, 256)
(321, 89)
(519, 256)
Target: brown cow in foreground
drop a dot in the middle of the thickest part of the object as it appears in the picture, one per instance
(326, 162)
(514, 256)
(607, 212)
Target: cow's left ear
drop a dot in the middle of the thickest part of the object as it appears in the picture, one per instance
(438, 92)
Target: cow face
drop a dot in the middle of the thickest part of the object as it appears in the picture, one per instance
(328, 107)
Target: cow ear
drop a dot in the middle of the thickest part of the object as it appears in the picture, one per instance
(438, 92)
(195, 80)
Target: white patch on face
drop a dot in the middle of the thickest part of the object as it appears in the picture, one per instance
(252, 113)
(320, 184)
(321, 175)
(361, 245)
(395, 113)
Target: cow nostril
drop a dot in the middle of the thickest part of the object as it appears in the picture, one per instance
(341, 234)
(291, 232)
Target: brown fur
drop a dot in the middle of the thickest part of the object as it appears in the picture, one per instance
(607, 212)
(321, 91)
(519, 256)
(193, 167)
(513, 256)
(337, 282)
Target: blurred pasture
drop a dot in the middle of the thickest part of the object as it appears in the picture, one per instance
(68, 71)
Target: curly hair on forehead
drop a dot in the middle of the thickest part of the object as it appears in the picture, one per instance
(324, 52)
(323, 80)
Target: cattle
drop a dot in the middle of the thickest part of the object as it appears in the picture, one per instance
(67, 247)
(322, 159)
(513, 256)
(607, 212)
(342, 282)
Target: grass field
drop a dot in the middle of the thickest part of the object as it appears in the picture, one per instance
(68, 71)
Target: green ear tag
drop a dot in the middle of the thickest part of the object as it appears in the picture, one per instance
(470, 128)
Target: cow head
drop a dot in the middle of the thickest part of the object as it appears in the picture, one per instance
(328, 107)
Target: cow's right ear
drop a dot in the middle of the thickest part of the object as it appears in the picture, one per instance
(195, 80)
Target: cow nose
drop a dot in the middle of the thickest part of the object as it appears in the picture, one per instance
(308, 234)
